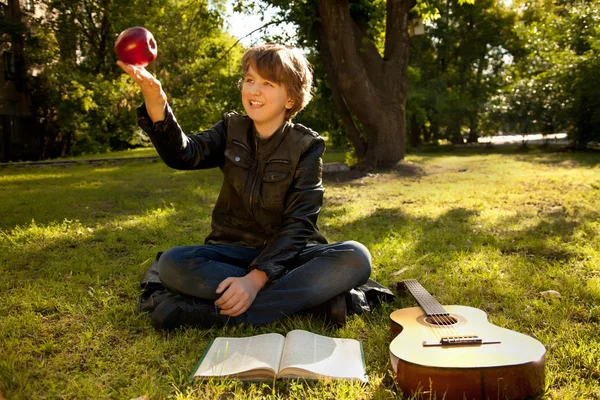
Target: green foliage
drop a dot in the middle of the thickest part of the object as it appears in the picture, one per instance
(92, 113)
(485, 67)
(481, 67)
(84, 101)
(459, 61)
(200, 73)
(554, 87)
(428, 10)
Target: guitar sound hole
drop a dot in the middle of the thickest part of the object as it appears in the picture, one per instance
(441, 320)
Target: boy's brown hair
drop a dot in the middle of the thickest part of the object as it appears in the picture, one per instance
(285, 66)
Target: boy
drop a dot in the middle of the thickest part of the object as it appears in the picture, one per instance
(265, 258)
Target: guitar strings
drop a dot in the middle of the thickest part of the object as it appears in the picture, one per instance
(445, 325)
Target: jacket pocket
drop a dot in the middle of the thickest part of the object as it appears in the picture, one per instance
(237, 165)
(238, 154)
(275, 184)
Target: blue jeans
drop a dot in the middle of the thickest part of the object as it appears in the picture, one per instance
(322, 271)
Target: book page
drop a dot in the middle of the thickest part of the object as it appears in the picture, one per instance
(322, 356)
(232, 356)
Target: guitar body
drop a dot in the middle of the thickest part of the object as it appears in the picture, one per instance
(505, 365)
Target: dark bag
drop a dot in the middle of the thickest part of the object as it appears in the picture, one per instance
(368, 296)
(153, 291)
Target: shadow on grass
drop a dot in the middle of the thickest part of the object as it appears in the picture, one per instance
(84, 284)
(169, 203)
(404, 169)
(73, 252)
(87, 226)
(531, 154)
(565, 159)
(467, 150)
(96, 195)
(433, 249)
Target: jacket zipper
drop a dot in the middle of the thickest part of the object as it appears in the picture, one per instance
(254, 178)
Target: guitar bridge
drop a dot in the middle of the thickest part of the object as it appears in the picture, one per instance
(462, 340)
(452, 340)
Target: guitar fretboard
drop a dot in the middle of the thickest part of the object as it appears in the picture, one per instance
(430, 305)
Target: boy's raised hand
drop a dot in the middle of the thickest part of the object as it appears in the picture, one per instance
(154, 97)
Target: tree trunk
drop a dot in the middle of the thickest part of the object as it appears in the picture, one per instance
(473, 129)
(454, 134)
(426, 134)
(415, 132)
(14, 15)
(374, 87)
(476, 94)
(359, 142)
(583, 130)
(387, 145)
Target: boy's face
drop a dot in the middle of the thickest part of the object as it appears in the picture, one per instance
(265, 101)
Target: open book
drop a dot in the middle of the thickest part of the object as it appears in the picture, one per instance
(299, 354)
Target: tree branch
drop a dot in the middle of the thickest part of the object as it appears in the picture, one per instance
(397, 44)
(358, 140)
(238, 41)
(396, 32)
(350, 71)
(369, 54)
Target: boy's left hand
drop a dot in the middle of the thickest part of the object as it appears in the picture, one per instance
(239, 293)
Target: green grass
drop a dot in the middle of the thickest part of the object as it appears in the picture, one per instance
(331, 156)
(131, 153)
(484, 228)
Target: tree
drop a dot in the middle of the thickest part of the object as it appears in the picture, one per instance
(82, 97)
(368, 83)
(459, 61)
(364, 49)
(555, 86)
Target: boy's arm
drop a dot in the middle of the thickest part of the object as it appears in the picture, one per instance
(155, 117)
(299, 222)
(179, 151)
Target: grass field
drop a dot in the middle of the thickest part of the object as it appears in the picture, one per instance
(484, 228)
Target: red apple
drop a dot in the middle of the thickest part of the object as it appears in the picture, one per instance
(136, 46)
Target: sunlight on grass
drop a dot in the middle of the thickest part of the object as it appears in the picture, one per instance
(23, 177)
(157, 218)
(139, 152)
(490, 230)
(38, 236)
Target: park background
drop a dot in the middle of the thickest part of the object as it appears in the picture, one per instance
(390, 76)
(481, 225)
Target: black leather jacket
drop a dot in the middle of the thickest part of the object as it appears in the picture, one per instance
(272, 190)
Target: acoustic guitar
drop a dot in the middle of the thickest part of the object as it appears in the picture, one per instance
(454, 353)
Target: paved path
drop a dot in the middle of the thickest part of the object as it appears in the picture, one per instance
(532, 138)
(68, 163)
(327, 167)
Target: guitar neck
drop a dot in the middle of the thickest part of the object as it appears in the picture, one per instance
(426, 301)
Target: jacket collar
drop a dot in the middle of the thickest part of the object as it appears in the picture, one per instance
(270, 144)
